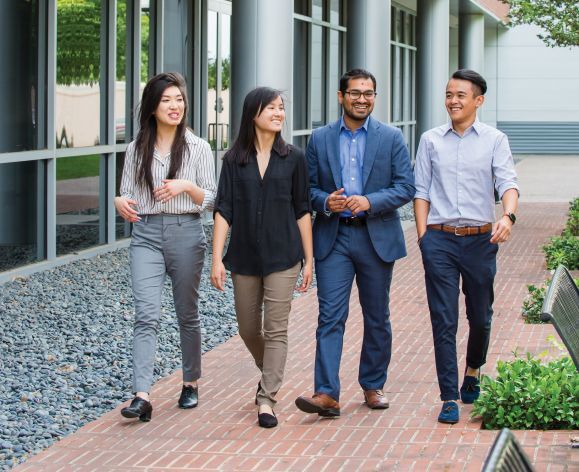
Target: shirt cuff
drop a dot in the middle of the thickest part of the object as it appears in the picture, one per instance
(422, 196)
(507, 186)
(326, 211)
(208, 200)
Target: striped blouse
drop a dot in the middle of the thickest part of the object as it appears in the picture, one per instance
(198, 167)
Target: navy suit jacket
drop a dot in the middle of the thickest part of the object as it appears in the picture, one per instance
(388, 183)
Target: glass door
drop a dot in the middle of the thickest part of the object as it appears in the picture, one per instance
(218, 78)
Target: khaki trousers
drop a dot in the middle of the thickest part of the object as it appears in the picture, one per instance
(262, 306)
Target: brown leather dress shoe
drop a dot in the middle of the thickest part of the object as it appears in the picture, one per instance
(320, 403)
(376, 399)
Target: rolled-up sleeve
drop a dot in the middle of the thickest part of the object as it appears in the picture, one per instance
(301, 187)
(504, 167)
(224, 198)
(127, 187)
(423, 171)
(206, 177)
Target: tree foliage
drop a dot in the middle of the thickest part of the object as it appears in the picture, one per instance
(78, 42)
(79, 30)
(212, 73)
(558, 18)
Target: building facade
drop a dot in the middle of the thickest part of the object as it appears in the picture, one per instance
(73, 72)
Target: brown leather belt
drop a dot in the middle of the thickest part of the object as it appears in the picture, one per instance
(463, 230)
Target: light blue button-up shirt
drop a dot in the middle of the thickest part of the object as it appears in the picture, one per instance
(458, 174)
(352, 148)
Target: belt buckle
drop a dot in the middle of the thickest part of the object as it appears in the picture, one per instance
(456, 228)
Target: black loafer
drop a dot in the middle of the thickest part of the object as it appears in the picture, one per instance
(139, 408)
(189, 397)
(266, 420)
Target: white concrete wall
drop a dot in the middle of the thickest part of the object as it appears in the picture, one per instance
(527, 80)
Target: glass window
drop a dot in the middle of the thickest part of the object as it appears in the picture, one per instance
(78, 56)
(318, 9)
(22, 187)
(402, 73)
(301, 7)
(19, 84)
(300, 97)
(122, 103)
(224, 116)
(147, 67)
(318, 77)
(122, 228)
(77, 203)
(334, 13)
(334, 68)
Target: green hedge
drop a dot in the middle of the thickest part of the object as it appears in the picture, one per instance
(530, 395)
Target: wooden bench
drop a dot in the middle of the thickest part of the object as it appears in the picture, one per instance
(561, 308)
(507, 455)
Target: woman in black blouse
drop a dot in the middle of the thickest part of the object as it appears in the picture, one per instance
(263, 195)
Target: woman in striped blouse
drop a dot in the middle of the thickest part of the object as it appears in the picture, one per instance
(168, 181)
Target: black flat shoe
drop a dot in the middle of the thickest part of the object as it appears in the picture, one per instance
(189, 397)
(140, 408)
(266, 420)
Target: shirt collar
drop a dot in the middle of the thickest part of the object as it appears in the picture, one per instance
(476, 126)
(344, 127)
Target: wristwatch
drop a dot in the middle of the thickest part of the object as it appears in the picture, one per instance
(512, 217)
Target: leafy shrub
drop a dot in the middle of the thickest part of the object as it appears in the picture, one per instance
(562, 250)
(530, 395)
(572, 227)
(533, 303)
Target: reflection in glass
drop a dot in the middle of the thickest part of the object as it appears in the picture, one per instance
(146, 45)
(122, 124)
(318, 79)
(22, 213)
(302, 7)
(300, 98)
(77, 203)
(317, 9)
(334, 12)
(78, 101)
(19, 91)
(334, 68)
(212, 78)
(224, 109)
(147, 68)
(122, 228)
(300, 141)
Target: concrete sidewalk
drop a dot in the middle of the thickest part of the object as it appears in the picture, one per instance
(222, 433)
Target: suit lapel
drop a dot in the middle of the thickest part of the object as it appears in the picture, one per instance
(372, 143)
(333, 146)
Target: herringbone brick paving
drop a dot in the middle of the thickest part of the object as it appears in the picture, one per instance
(222, 434)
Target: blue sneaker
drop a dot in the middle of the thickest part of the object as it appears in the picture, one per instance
(449, 413)
(470, 389)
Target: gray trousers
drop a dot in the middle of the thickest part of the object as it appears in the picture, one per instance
(262, 306)
(160, 245)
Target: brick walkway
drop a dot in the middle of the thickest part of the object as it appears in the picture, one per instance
(222, 433)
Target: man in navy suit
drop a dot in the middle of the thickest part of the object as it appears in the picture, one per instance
(360, 174)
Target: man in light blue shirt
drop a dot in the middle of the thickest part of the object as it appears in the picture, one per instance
(458, 167)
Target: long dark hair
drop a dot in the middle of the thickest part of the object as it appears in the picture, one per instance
(145, 142)
(244, 146)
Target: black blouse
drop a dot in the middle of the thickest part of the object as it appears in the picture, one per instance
(262, 213)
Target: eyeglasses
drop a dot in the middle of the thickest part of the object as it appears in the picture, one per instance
(356, 94)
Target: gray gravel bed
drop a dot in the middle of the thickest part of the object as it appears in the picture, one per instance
(65, 347)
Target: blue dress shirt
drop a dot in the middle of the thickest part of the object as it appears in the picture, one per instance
(458, 174)
(352, 148)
